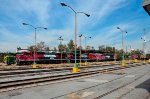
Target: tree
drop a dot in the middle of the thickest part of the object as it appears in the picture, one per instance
(80, 47)
(93, 48)
(137, 53)
(88, 47)
(70, 46)
(60, 47)
(109, 49)
(41, 45)
(119, 54)
(66, 48)
(101, 48)
(55, 49)
(31, 48)
(47, 48)
(18, 48)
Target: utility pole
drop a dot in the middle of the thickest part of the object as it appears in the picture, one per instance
(60, 39)
(75, 67)
(80, 49)
(144, 46)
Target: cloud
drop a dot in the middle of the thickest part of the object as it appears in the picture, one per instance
(9, 41)
(99, 11)
(51, 36)
(27, 10)
(106, 15)
(40, 9)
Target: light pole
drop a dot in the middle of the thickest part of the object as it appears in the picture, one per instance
(35, 28)
(123, 61)
(80, 48)
(61, 39)
(85, 48)
(115, 56)
(144, 44)
(75, 68)
(130, 54)
(114, 49)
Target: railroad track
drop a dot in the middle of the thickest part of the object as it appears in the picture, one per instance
(34, 72)
(120, 87)
(17, 84)
(78, 92)
(29, 67)
(26, 72)
(29, 70)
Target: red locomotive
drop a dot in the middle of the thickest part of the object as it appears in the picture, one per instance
(40, 57)
(96, 56)
(27, 57)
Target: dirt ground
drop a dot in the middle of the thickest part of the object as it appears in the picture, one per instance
(4, 66)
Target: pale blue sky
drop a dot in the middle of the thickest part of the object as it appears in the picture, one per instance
(106, 15)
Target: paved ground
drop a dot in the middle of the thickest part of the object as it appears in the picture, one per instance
(133, 84)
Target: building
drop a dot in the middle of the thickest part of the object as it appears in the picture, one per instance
(146, 5)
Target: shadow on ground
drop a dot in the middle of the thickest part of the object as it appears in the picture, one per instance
(145, 85)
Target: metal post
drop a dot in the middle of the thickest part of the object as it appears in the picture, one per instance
(34, 56)
(34, 47)
(123, 61)
(75, 67)
(85, 53)
(144, 51)
(114, 55)
(61, 50)
(144, 44)
(123, 64)
(80, 50)
(60, 38)
(85, 49)
(75, 46)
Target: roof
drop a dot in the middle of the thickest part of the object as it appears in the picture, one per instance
(146, 2)
(146, 6)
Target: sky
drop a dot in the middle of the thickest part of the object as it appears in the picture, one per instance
(101, 26)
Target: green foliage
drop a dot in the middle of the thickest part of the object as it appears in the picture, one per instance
(41, 46)
(137, 52)
(109, 49)
(55, 49)
(79, 47)
(88, 47)
(106, 49)
(31, 48)
(101, 48)
(18, 48)
(70, 46)
(47, 48)
(119, 54)
(93, 48)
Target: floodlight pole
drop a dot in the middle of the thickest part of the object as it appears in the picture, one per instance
(144, 44)
(75, 67)
(85, 49)
(61, 39)
(123, 61)
(35, 28)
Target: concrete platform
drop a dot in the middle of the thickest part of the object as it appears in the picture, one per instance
(135, 82)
